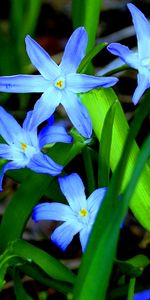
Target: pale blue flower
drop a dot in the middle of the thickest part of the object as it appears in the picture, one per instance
(139, 60)
(23, 148)
(59, 84)
(78, 216)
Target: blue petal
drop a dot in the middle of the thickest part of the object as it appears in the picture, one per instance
(84, 236)
(75, 51)
(41, 60)
(23, 84)
(144, 295)
(10, 166)
(77, 83)
(51, 120)
(129, 57)
(42, 163)
(53, 134)
(142, 29)
(73, 189)
(143, 84)
(77, 113)
(52, 211)
(45, 107)
(11, 152)
(9, 128)
(27, 124)
(63, 235)
(5, 152)
(95, 200)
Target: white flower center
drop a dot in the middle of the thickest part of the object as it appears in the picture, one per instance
(60, 83)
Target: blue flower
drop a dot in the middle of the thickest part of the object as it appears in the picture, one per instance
(59, 84)
(78, 216)
(24, 145)
(139, 60)
(145, 295)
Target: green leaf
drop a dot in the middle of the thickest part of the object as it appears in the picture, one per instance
(19, 252)
(38, 274)
(105, 232)
(98, 103)
(19, 289)
(84, 13)
(105, 146)
(90, 55)
(135, 266)
(51, 266)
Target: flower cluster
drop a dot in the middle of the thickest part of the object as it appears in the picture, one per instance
(61, 84)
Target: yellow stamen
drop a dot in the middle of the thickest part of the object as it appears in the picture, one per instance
(23, 146)
(59, 84)
(83, 212)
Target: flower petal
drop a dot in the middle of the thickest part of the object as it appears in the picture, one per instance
(143, 84)
(78, 83)
(94, 201)
(73, 189)
(11, 152)
(77, 113)
(23, 84)
(45, 107)
(53, 134)
(129, 57)
(52, 211)
(75, 51)
(144, 295)
(42, 163)
(84, 236)
(63, 235)
(9, 127)
(41, 60)
(12, 165)
(5, 152)
(142, 29)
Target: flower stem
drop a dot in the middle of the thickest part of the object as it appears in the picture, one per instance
(131, 288)
(89, 169)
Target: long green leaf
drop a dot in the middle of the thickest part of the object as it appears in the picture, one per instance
(38, 274)
(98, 103)
(105, 146)
(19, 289)
(46, 262)
(105, 231)
(86, 13)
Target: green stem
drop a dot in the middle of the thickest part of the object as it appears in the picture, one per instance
(131, 288)
(89, 169)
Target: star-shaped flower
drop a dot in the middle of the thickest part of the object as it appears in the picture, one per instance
(78, 216)
(139, 60)
(59, 84)
(24, 145)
